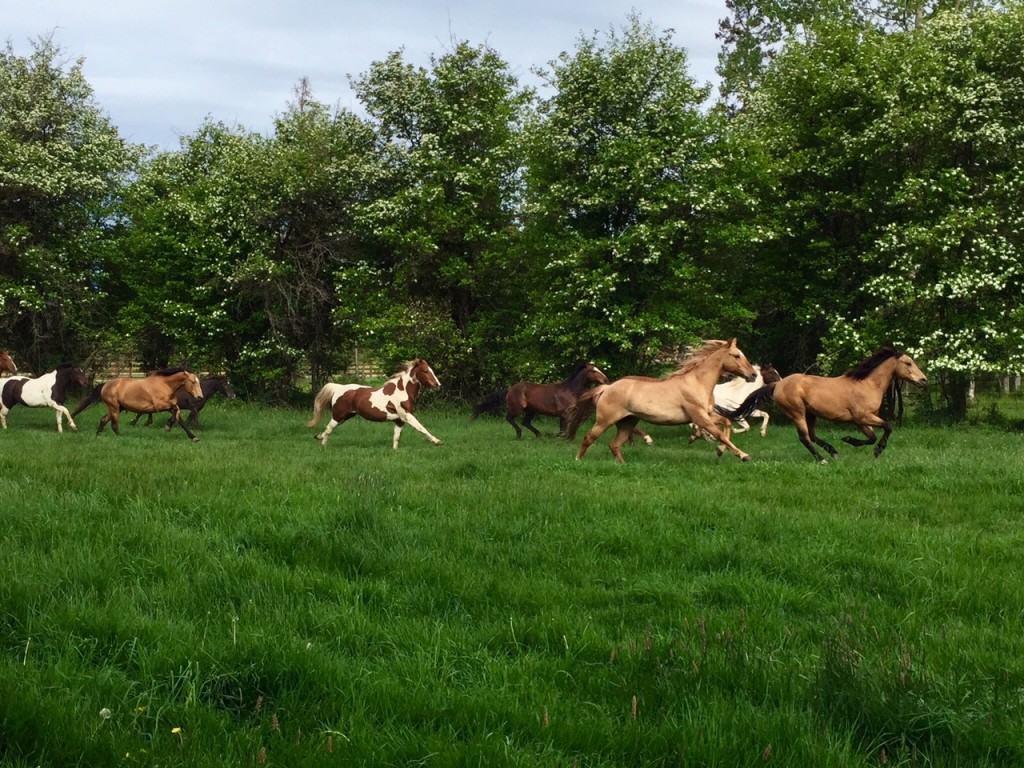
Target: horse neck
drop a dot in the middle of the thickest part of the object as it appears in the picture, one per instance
(708, 373)
(412, 386)
(880, 378)
(576, 384)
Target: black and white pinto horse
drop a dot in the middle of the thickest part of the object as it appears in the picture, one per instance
(728, 396)
(49, 390)
(395, 401)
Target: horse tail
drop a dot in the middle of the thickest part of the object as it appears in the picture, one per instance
(747, 407)
(322, 400)
(575, 414)
(92, 398)
(493, 403)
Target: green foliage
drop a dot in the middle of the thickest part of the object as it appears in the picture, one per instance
(62, 165)
(620, 177)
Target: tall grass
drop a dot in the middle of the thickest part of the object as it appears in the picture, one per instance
(257, 599)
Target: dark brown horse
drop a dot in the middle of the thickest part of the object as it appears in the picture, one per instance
(681, 398)
(395, 401)
(527, 399)
(154, 394)
(853, 398)
(7, 363)
(211, 385)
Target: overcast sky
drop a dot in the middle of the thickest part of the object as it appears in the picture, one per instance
(160, 67)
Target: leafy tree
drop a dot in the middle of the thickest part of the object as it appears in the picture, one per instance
(623, 175)
(447, 209)
(62, 165)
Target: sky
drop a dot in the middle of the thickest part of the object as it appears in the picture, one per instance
(159, 68)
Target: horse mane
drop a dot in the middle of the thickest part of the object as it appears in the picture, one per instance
(169, 371)
(862, 371)
(699, 355)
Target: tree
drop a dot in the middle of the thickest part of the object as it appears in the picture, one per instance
(623, 174)
(447, 211)
(62, 165)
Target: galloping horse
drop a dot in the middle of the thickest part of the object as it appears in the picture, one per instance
(527, 399)
(7, 363)
(394, 401)
(50, 390)
(730, 394)
(680, 398)
(853, 398)
(211, 385)
(154, 394)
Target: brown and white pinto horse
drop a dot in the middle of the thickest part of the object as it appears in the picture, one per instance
(7, 363)
(154, 394)
(49, 390)
(527, 399)
(681, 398)
(855, 398)
(395, 401)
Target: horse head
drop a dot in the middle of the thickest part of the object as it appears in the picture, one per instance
(734, 361)
(421, 371)
(76, 376)
(192, 385)
(7, 363)
(769, 375)
(594, 375)
(907, 370)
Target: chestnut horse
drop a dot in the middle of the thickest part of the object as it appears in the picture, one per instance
(527, 399)
(154, 394)
(681, 398)
(853, 398)
(7, 363)
(49, 390)
(395, 401)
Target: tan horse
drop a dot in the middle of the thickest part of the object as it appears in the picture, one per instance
(853, 398)
(683, 397)
(154, 394)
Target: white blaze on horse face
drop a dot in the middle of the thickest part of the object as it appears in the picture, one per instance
(433, 376)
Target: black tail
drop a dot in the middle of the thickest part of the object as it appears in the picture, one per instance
(493, 403)
(94, 397)
(745, 408)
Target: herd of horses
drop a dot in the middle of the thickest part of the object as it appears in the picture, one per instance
(171, 390)
(694, 394)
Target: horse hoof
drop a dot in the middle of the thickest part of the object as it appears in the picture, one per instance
(745, 457)
(195, 439)
(439, 442)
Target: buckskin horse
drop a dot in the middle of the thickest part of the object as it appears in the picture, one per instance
(395, 400)
(49, 390)
(211, 385)
(680, 398)
(7, 363)
(154, 394)
(855, 397)
(526, 399)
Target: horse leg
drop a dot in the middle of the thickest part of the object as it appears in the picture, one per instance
(623, 431)
(707, 424)
(510, 417)
(322, 437)
(590, 437)
(136, 419)
(763, 415)
(641, 434)
(741, 426)
(398, 433)
(812, 422)
(176, 415)
(413, 422)
(528, 415)
(803, 430)
(886, 431)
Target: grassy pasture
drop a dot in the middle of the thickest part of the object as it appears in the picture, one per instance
(257, 599)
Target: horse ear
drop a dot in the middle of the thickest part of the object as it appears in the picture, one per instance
(732, 342)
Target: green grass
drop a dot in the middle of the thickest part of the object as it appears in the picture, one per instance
(495, 602)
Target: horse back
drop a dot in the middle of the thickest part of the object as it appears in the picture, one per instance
(149, 395)
(832, 398)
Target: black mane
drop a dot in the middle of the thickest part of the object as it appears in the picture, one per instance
(862, 371)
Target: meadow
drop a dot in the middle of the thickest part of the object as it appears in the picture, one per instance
(256, 599)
